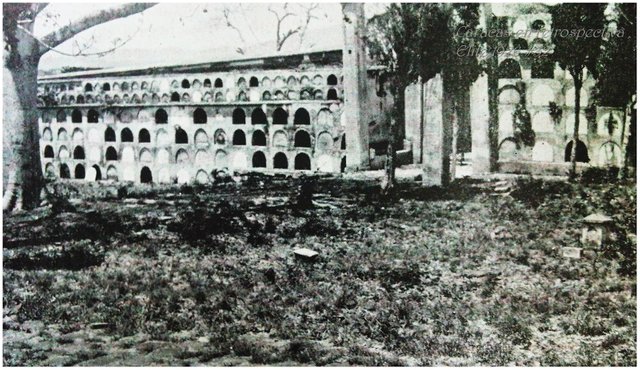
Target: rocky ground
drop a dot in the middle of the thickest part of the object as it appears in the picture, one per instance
(206, 275)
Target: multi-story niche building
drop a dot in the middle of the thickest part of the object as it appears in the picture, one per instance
(527, 79)
(182, 123)
(528, 76)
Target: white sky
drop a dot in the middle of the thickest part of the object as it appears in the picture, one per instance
(171, 33)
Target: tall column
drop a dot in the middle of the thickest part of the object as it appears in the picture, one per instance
(480, 144)
(355, 86)
(438, 135)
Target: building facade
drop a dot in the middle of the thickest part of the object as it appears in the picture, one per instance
(179, 124)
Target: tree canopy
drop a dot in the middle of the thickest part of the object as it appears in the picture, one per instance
(616, 68)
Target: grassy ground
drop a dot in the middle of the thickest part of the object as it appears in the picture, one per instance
(207, 276)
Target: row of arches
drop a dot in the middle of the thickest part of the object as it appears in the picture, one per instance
(182, 157)
(259, 161)
(541, 67)
(239, 116)
(541, 95)
(123, 86)
(609, 153)
(268, 95)
(301, 162)
(197, 97)
(207, 83)
(301, 138)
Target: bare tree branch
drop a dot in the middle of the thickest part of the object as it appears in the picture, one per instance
(308, 17)
(226, 12)
(281, 38)
(81, 50)
(65, 33)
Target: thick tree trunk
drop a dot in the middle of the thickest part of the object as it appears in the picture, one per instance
(22, 180)
(577, 83)
(395, 135)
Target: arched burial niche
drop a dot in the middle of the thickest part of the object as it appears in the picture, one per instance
(520, 44)
(109, 135)
(199, 116)
(144, 136)
(61, 116)
(49, 171)
(238, 117)
(47, 135)
(239, 138)
(582, 154)
(112, 154)
(258, 138)
(62, 135)
(280, 161)
(201, 137)
(302, 139)
(259, 160)
(76, 116)
(63, 152)
(48, 152)
(280, 116)
(301, 117)
(126, 136)
(79, 172)
(258, 117)
(332, 80)
(181, 136)
(509, 68)
(112, 173)
(182, 156)
(93, 116)
(78, 153)
(302, 162)
(77, 135)
(145, 175)
(162, 116)
(64, 171)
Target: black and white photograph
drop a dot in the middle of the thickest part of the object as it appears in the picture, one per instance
(317, 184)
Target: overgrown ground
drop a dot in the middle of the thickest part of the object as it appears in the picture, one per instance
(207, 276)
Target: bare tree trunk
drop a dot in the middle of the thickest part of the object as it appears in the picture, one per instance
(577, 83)
(390, 166)
(22, 180)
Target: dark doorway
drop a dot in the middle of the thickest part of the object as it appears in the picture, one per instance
(259, 160)
(280, 161)
(79, 172)
(145, 175)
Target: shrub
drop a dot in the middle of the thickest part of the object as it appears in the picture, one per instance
(516, 329)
